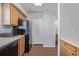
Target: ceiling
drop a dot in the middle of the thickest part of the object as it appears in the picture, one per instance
(31, 8)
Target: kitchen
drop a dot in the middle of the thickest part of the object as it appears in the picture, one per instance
(18, 33)
(12, 31)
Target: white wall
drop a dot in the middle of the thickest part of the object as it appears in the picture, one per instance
(50, 15)
(43, 26)
(20, 6)
(49, 19)
(35, 16)
(69, 21)
(37, 27)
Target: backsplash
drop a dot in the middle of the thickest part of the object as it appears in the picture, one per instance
(6, 29)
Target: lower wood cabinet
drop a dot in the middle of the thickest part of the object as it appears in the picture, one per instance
(67, 52)
(67, 49)
(77, 51)
(21, 46)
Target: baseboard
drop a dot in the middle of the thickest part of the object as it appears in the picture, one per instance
(37, 44)
(41, 45)
(49, 46)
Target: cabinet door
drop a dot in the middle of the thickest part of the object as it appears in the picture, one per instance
(21, 16)
(66, 49)
(66, 52)
(0, 14)
(21, 46)
(77, 51)
(6, 13)
(61, 48)
(14, 15)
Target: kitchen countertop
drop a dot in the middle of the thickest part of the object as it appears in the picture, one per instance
(72, 42)
(6, 40)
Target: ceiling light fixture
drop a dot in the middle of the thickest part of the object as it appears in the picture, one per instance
(38, 4)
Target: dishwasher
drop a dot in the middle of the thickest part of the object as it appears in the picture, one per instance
(10, 49)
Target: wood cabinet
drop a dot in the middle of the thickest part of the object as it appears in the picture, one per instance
(66, 49)
(11, 14)
(0, 14)
(21, 46)
(6, 14)
(21, 16)
(77, 51)
(14, 15)
(67, 52)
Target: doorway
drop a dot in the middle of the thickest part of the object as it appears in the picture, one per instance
(56, 34)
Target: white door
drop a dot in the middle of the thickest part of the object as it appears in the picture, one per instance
(37, 31)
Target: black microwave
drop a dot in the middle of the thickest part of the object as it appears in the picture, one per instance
(21, 31)
(18, 31)
(15, 31)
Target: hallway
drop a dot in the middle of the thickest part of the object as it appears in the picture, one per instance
(38, 50)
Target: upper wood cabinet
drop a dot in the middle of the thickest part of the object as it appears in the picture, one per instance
(14, 15)
(21, 16)
(6, 14)
(11, 14)
(0, 14)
